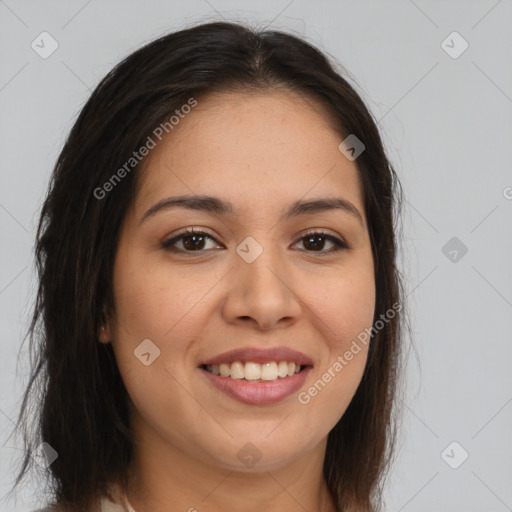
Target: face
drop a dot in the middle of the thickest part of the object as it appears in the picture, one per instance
(276, 288)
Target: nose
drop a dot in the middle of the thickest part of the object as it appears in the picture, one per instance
(261, 293)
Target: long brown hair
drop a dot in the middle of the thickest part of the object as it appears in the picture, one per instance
(76, 398)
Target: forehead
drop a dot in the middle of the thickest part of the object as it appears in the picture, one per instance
(260, 146)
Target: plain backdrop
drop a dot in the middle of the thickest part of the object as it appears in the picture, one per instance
(445, 113)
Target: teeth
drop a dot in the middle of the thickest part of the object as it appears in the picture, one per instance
(282, 369)
(255, 371)
(269, 371)
(237, 371)
(224, 369)
(252, 371)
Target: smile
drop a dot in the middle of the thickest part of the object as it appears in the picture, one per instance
(254, 390)
(251, 371)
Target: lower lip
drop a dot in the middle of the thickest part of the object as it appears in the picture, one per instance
(258, 393)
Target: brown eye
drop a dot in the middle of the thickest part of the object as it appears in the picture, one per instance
(190, 240)
(195, 241)
(316, 240)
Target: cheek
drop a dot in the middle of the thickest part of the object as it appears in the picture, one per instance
(345, 304)
(344, 311)
(147, 309)
(146, 302)
(160, 305)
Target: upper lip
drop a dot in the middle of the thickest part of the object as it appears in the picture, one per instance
(260, 355)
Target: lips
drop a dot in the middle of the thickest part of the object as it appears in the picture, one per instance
(265, 391)
(260, 355)
(257, 392)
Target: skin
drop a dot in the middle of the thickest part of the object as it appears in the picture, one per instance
(261, 151)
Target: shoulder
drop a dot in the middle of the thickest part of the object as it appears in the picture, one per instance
(105, 504)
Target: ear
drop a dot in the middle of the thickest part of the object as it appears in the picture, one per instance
(104, 336)
(105, 331)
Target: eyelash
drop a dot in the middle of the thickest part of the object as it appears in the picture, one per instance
(168, 244)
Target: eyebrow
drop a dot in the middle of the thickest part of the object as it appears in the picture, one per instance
(217, 206)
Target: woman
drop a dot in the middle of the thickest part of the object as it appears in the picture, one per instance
(218, 318)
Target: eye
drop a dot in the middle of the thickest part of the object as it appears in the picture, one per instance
(315, 240)
(191, 241)
(195, 240)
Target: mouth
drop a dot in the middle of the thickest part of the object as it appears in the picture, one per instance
(250, 371)
(257, 376)
(255, 383)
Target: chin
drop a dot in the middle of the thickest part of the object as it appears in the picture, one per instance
(260, 455)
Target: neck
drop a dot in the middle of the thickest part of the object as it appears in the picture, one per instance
(164, 478)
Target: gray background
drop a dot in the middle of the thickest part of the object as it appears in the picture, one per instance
(447, 126)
